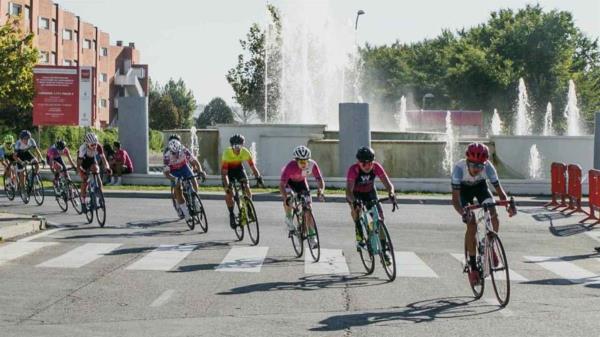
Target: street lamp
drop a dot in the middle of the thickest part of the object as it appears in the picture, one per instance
(426, 96)
(358, 14)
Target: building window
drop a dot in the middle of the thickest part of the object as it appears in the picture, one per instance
(67, 63)
(26, 13)
(15, 9)
(67, 34)
(53, 58)
(103, 103)
(87, 44)
(104, 51)
(53, 26)
(104, 77)
(44, 57)
(44, 23)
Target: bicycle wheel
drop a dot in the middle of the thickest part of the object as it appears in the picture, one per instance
(37, 189)
(316, 251)
(73, 193)
(367, 258)
(23, 188)
(61, 198)
(499, 270)
(239, 229)
(296, 236)
(175, 205)
(89, 214)
(9, 189)
(199, 213)
(476, 288)
(252, 222)
(390, 268)
(100, 207)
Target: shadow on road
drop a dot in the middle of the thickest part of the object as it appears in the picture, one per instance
(568, 230)
(417, 312)
(149, 223)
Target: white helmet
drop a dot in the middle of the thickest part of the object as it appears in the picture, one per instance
(175, 145)
(90, 138)
(301, 152)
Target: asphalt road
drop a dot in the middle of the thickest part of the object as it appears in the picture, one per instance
(146, 274)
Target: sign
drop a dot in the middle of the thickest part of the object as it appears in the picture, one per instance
(85, 96)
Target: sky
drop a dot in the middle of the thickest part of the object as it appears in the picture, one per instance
(198, 41)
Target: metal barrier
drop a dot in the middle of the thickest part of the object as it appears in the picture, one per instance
(574, 193)
(558, 187)
(594, 183)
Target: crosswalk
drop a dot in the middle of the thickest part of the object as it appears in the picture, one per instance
(251, 259)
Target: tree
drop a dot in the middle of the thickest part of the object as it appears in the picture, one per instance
(170, 106)
(17, 59)
(184, 100)
(166, 115)
(216, 112)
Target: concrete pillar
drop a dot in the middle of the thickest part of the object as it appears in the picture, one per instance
(597, 142)
(355, 131)
(133, 130)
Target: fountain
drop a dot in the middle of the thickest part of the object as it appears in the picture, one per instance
(450, 146)
(194, 146)
(400, 116)
(496, 127)
(572, 112)
(254, 152)
(523, 122)
(535, 163)
(548, 129)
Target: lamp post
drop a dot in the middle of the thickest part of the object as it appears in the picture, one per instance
(358, 14)
(426, 96)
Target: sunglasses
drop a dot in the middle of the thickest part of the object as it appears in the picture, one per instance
(366, 163)
(302, 161)
(478, 166)
(237, 146)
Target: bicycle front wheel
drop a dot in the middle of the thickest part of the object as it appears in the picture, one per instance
(100, 208)
(200, 214)
(37, 189)
(73, 193)
(61, 198)
(9, 188)
(314, 247)
(296, 236)
(387, 256)
(499, 270)
(367, 258)
(479, 287)
(23, 190)
(239, 228)
(252, 222)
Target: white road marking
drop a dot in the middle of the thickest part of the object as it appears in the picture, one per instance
(409, 264)
(40, 235)
(80, 256)
(514, 276)
(16, 250)
(331, 261)
(163, 298)
(564, 269)
(164, 258)
(244, 259)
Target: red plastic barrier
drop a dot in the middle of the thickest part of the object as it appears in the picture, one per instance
(574, 190)
(594, 183)
(558, 172)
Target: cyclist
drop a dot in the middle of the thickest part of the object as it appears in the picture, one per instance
(294, 178)
(87, 161)
(177, 165)
(55, 160)
(23, 153)
(232, 169)
(469, 181)
(360, 187)
(166, 151)
(7, 159)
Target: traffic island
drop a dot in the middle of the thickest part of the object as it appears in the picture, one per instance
(15, 225)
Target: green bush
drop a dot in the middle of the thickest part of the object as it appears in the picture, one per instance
(156, 140)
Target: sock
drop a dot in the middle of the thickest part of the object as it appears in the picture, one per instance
(230, 210)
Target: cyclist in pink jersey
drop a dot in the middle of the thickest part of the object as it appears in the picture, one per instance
(294, 179)
(55, 160)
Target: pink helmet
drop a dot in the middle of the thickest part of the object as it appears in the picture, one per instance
(477, 153)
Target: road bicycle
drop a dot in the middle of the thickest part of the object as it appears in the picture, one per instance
(194, 204)
(245, 214)
(302, 215)
(10, 184)
(96, 202)
(65, 192)
(32, 184)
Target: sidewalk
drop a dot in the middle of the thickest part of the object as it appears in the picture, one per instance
(14, 225)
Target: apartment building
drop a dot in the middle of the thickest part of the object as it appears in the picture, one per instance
(63, 39)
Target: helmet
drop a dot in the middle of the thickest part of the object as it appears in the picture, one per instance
(365, 153)
(9, 139)
(301, 152)
(236, 139)
(175, 146)
(60, 145)
(24, 134)
(90, 138)
(477, 153)
(174, 136)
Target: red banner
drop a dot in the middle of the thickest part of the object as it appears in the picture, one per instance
(56, 99)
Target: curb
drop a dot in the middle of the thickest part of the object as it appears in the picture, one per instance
(28, 226)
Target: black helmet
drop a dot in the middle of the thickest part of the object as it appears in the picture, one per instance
(174, 136)
(60, 145)
(236, 139)
(365, 153)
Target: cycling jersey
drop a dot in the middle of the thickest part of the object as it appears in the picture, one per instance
(54, 153)
(27, 146)
(7, 152)
(364, 182)
(88, 155)
(462, 178)
(176, 161)
(295, 177)
(230, 160)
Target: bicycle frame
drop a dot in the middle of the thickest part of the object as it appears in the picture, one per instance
(374, 244)
(300, 205)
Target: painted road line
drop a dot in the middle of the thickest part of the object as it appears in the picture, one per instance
(410, 264)
(16, 250)
(163, 298)
(81, 255)
(164, 258)
(244, 259)
(331, 262)
(514, 276)
(564, 269)
(40, 235)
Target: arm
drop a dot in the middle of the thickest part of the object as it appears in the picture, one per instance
(282, 190)
(349, 189)
(225, 177)
(456, 201)
(70, 159)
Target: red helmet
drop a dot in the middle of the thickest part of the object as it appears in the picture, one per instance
(477, 153)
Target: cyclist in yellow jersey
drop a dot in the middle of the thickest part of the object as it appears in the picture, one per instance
(232, 169)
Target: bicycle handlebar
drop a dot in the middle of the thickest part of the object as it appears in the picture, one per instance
(394, 204)
(510, 203)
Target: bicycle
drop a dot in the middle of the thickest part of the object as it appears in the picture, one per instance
(10, 184)
(65, 191)
(375, 234)
(491, 257)
(301, 214)
(194, 204)
(245, 215)
(96, 200)
(31, 185)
